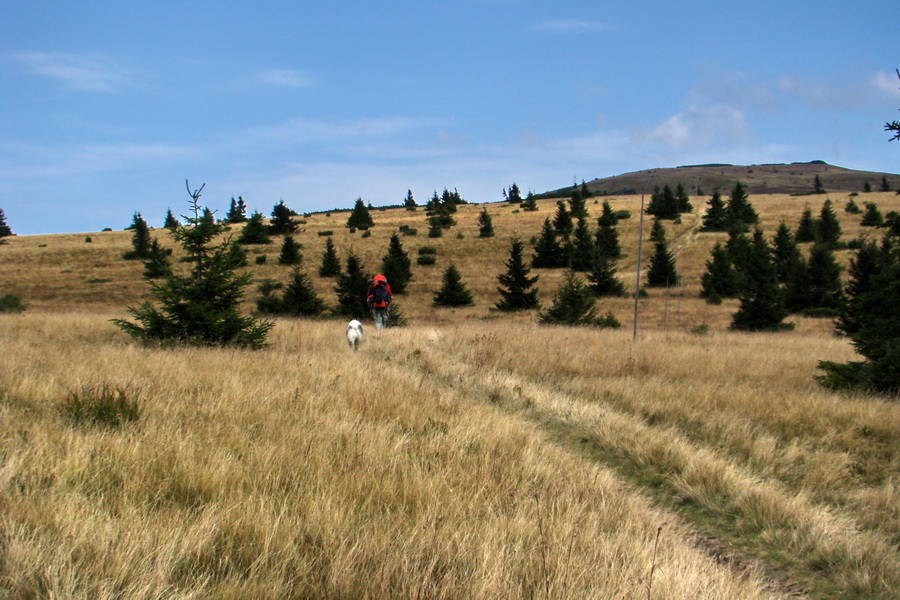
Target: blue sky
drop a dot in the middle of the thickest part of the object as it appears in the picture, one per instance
(107, 107)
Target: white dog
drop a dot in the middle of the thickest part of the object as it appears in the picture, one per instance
(354, 334)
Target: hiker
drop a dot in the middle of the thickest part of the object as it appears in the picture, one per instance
(379, 300)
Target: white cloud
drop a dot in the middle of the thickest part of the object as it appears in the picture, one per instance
(87, 72)
(700, 126)
(570, 26)
(284, 78)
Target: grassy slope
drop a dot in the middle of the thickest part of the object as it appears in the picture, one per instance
(469, 455)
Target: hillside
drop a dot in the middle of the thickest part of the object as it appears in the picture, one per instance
(471, 454)
(794, 178)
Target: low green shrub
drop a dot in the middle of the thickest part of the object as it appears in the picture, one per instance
(11, 304)
(101, 405)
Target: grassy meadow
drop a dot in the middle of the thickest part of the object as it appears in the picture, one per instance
(471, 454)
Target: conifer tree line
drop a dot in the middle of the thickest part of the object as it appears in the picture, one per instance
(808, 284)
(439, 211)
(566, 241)
(514, 196)
(735, 214)
(668, 204)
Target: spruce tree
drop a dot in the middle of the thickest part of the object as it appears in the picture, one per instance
(741, 213)
(395, 266)
(352, 288)
(577, 207)
(872, 217)
(762, 303)
(818, 188)
(237, 212)
(825, 291)
(170, 221)
(255, 231)
(410, 202)
(663, 203)
(360, 218)
(453, 291)
(514, 195)
(720, 280)
(300, 298)
(433, 205)
(606, 239)
(716, 216)
(585, 192)
(440, 212)
(582, 257)
(852, 208)
(530, 203)
(269, 302)
(740, 251)
(203, 306)
(828, 227)
(872, 322)
(140, 239)
(237, 256)
(5, 230)
(885, 186)
(450, 200)
(602, 278)
(331, 264)
(573, 304)
(807, 229)
(661, 272)
(562, 222)
(281, 222)
(434, 227)
(864, 268)
(548, 254)
(784, 251)
(485, 224)
(796, 285)
(290, 252)
(157, 264)
(515, 293)
(657, 231)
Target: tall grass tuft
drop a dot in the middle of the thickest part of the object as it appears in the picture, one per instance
(101, 405)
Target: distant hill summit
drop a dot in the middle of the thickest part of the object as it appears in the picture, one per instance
(793, 178)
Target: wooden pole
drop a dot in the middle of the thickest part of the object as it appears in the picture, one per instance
(637, 283)
(666, 307)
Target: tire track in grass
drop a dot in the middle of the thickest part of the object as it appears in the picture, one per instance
(800, 540)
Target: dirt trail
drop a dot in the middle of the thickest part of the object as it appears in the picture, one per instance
(591, 430)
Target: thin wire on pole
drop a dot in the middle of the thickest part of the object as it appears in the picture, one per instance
(637, 284)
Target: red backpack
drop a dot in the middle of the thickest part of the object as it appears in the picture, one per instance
(380, 296)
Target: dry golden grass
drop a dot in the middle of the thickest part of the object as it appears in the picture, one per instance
(471, 455)
(309, 471)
